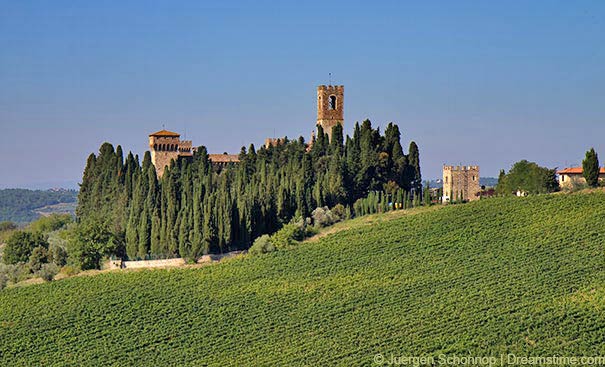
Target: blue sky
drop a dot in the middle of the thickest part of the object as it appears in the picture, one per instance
(472, 82)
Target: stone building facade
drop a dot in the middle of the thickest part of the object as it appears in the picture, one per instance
(460, 182)
(569, 177)
(330, 107)
(167, 145)
(273, 142)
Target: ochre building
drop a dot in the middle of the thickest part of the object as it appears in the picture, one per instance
(460, 183)
(330, 107)
(166, 146)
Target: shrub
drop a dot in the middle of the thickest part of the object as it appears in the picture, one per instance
(51, 223)
(577, 186)
(48, 271)
(339, 212)
(20, 245)
(3, 281)
(15, 272)
(310, 231)
(262, 245)
(289, 235)
(7, 226)
(69, 270)
(38, 258)
(324, 217)
(57, 255)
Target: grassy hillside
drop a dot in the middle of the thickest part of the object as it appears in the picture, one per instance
(506, 275)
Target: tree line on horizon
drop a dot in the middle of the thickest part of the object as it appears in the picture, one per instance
(126, 211)
(19, 205)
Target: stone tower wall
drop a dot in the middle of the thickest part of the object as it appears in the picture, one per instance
(185, 148)
(461, 181)
(163, 150)
(326, 116)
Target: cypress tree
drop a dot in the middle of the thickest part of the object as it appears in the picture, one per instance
(144, 232)
(195, 209)
(590, 168)
(155, 248)
(414, 161)
(336, 143)
(85, 196)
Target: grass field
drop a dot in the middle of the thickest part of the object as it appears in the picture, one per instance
(505, 275)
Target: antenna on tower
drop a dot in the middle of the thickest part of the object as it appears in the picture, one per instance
(163, 126)
(330, 78)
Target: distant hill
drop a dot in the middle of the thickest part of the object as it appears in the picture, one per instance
(483, 181)
(23, 206)
(504, 275)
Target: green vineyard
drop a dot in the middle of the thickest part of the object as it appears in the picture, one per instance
(504, 275)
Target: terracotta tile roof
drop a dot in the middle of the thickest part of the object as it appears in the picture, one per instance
(224, 158)
(165, 133)
(576, 171)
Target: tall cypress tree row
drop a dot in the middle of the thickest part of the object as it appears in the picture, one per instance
(196, 208)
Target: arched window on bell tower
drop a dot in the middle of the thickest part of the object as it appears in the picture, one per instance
(332, 103)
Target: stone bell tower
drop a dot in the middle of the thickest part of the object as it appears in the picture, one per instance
(330, 107)
(166, 146)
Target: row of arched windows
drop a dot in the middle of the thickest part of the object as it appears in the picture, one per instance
(165, 147)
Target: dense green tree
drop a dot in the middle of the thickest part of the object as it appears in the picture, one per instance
(501, 176)
(38, 257)
(90, 241)
(528, 177)
(590, 168)
(20, 245)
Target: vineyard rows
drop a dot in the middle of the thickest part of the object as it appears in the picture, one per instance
(504, 275)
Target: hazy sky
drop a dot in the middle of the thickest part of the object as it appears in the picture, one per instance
(472, 82)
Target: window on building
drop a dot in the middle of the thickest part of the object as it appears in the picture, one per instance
(446, 180)
(332, 104)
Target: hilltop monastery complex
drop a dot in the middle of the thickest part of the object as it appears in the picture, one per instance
(166, 146)
(459, 182)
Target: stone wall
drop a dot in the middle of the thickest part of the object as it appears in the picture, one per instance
(152, 263)
(139, 264)
(567, 181)
(461, 181)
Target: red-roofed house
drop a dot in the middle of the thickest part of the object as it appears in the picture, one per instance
(573, 175)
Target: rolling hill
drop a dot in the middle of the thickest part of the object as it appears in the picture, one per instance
(23, 206)
(504, 275)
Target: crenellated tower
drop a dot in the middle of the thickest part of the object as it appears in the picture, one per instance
(330, 107)
(164, 146)
(460, 182)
